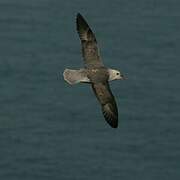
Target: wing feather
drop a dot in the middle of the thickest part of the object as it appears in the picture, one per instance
(108, 103)
(89, 44)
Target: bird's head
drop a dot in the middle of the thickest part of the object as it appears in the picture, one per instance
(115, 75)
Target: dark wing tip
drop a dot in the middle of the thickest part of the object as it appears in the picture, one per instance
(81, 22)
(81, 26)
(80, 18)
(110, 113)
(112, 121)
(79, 15)
(83, 29)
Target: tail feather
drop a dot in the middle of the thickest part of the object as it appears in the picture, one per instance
(75, 76)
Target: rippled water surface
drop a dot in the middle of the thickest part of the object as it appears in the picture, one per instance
(50, 130)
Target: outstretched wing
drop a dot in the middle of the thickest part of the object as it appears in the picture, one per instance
(108, 103)
(89, 44)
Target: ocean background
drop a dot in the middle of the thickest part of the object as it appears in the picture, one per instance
(52, 131)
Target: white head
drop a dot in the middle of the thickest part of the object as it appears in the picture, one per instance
(115, 75)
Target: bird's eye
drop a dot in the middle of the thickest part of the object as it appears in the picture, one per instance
(117, 73)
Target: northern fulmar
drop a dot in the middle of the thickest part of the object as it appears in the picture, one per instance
(95, 73)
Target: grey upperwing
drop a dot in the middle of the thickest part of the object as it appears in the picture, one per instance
(89, 44)
(107, 101)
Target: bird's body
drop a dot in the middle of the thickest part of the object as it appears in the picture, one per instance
(95, 73)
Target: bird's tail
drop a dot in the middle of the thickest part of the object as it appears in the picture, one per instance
(75, 76)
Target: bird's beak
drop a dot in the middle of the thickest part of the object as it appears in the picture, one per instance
(123, 77)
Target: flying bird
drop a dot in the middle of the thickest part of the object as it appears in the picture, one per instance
(95, 73)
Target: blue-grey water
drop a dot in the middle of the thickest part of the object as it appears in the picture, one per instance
(50, 130)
